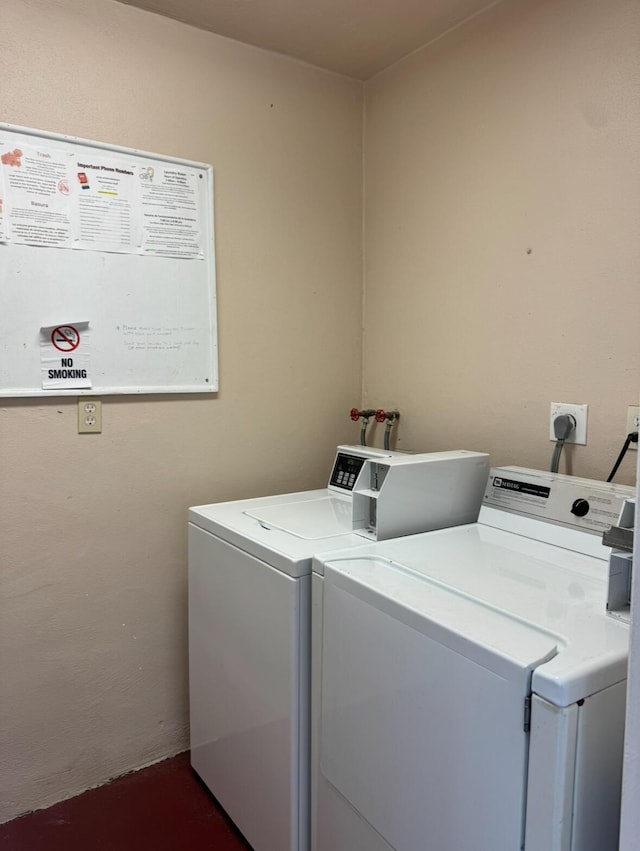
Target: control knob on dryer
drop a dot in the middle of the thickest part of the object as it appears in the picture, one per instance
(580, 507)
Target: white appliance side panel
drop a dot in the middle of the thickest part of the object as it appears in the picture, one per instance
(575, 773)
(598, 783)
(247, 645)
(630, 821)
(317, 591)
(420, 740)
(552, 752)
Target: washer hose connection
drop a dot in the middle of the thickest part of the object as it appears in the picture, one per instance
(356, 415)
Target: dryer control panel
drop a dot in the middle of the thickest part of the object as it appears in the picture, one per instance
(584, 504)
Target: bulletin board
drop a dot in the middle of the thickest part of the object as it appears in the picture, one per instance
(107, 269)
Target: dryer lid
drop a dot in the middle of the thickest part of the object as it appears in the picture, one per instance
(502, 591)
(490, 636)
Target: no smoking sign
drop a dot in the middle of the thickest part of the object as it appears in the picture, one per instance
(65, 338)
(65, 356)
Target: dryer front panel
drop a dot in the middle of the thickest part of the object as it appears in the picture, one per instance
(423, 727)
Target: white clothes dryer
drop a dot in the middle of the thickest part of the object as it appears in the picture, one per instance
(468, 686)
(249, 627)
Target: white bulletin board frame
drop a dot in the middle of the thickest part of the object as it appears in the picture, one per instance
(148, 320)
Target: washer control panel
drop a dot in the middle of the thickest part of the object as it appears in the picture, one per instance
(348, 463)
(345, 471)
(584, 504)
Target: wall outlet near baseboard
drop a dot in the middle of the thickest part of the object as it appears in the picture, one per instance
(89, 416)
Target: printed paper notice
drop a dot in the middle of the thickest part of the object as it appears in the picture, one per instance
(107, 213)
(171, 225)
(64, 356)
(36, 204)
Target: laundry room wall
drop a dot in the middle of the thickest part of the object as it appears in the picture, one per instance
(502, 177)
(93, 654)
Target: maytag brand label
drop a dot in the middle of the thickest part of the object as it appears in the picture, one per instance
(528, 488)
(582, 504)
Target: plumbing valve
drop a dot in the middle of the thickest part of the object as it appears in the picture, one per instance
(382, 415)
(355, 414)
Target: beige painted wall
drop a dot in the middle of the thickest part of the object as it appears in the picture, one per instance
(93, 654)
(502, 182)
(501, 213)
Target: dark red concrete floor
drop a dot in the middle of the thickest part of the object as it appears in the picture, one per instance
(161, 808)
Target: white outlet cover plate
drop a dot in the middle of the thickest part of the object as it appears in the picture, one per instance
(579, 413)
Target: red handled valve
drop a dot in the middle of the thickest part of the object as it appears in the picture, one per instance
(382, 415)
(355, 414)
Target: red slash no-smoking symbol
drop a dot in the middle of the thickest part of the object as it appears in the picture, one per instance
(65, 338)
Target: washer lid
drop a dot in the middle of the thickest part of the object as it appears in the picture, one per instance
(286, 530)
(323, 517)
(500, 589)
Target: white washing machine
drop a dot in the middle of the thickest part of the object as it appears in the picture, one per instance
(249, 623)
(468, 685)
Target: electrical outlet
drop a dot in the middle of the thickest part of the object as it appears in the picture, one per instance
(89, 416)
(579, 413)
(633, 422)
